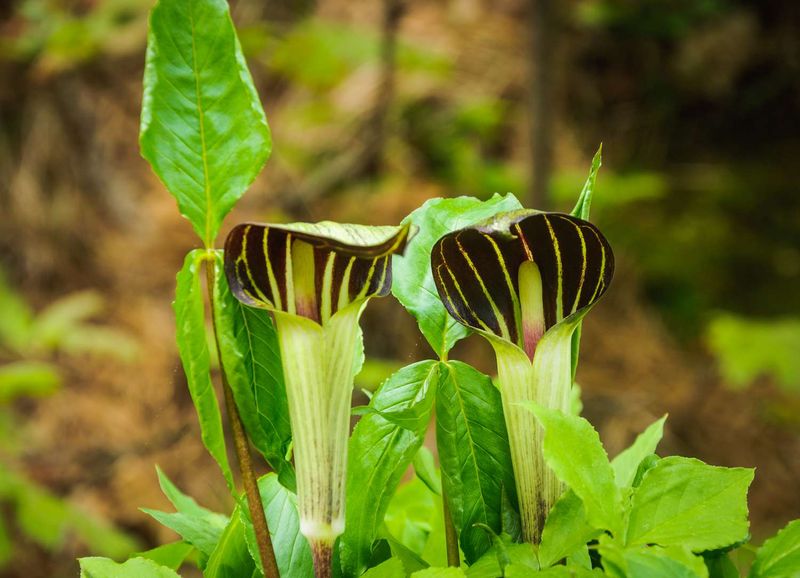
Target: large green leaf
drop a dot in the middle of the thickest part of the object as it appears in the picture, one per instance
(627, 462)
(202, 128)
(292, 551)
(190, 327)
(198, 526)
(573, 450)
(413, 280)
(474, 454)
(684, 502)
(231, 558)
(252, 361)
(565, 530)
(379, 453)
(133, 568)
(779, 557)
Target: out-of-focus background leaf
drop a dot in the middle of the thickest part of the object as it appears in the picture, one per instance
(375, 107)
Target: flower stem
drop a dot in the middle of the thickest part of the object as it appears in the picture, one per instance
(256, 507)
(322, 553)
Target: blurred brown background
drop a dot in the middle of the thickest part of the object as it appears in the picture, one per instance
(374, 107)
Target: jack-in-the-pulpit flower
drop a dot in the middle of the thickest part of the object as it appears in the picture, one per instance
(524, 280)
(315, 279)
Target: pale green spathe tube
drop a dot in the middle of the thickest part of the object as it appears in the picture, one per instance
(546, 381)
(319, 366)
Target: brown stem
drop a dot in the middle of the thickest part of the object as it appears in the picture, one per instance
(322, 552)
(453, 555)
(256, 507)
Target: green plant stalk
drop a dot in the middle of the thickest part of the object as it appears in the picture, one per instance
(546, 381)
(451, 536)
(256, 507)
(318, 363)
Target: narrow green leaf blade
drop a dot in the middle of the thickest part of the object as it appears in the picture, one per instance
(474, 454)
(252, 361)
(292, 551)
(779, 557)
(565, 530)
(413, 280)
(573, 450)
(203, 129)
(133, 568)
(584, 204)
(379, 453)
(231, 557)
(684, 502)
(198, 526)
(193, 349)
(627, 462)
(391, 568)
(581, 210)
(171, 555)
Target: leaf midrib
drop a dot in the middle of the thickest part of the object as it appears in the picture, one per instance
(201, 121)
(474, 457)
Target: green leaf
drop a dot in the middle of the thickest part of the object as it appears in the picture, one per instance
(720, 565)
(133, 568)
(573, 450)
(667, 562)
(489, 565)
(439, 573)
(202, 128)
(779, 557)
(566, 529)
(231, 557)
(292, 551)
(33, 378)
(523, 571)
(584, 204)
(414, 519)
(252, 361)
(198, 526)
(473, 452)
(379, 453)
(391, 568)
(193, 349)
(684, 502)
(425, 468)
(581, 210)
(627, 462)
(413, 280)
(170, 555)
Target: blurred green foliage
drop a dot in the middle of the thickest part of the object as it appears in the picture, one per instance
(653, 19)
(59, 35)
(747, 349)
(28, 343)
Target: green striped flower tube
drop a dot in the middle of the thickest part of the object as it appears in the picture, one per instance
(315, 280)
(525, 280)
